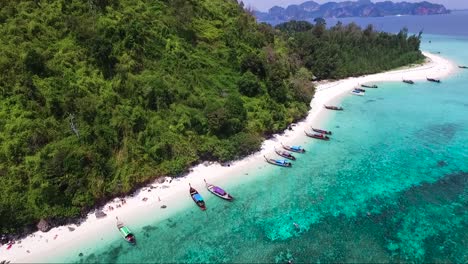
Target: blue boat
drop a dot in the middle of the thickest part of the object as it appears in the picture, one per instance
(197, 198)
(278, 162)
(297, 149)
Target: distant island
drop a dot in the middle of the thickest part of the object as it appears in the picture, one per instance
(361, 8)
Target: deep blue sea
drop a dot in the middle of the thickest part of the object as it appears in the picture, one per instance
(391, 185)
(454, 24)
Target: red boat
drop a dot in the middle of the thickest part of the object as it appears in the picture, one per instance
(321, 131)
(317, 135)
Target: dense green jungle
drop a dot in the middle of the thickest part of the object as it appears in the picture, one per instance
(99, 97)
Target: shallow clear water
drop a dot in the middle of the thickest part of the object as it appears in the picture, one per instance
(391, 185)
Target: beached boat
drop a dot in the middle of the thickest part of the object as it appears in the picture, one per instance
(360, 90)
(278, 162)
(125, 232)
(297, 149)
(408, 81)
(357, 92)
(433, 80)
(197, 198)
(322, 131)
(369, 86)
(331, 107)
(218, 191)
(285, 154)
(463, 67)
(317, 135)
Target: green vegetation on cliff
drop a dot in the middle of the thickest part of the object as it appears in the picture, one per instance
(100, 96)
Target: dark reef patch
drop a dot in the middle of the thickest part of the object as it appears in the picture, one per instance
(444, 190)
(439, 133)
(342, 239)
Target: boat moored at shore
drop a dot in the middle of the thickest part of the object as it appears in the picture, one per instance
(358, 92)
(433, 80)
(278, 162)
(463, 67)
(369, 86)
(297, 149)
(317, 135)
(125, 232)
(408, 81)
(285, 154)
(327, 132)
(197, 198)
(331, 107)
(218, 191)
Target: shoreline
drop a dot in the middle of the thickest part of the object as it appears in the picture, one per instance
(35, 247)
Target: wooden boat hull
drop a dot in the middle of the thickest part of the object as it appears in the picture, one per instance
(369, 86)
(273, 162)
(317, 136)
(289, 148)
(463, 67)
(212, 189)
(290, 157)
(196, 197)
(126, 233)
(322, 131)
(433, 80)
(408, 81)
(358, 93)
(336, 108)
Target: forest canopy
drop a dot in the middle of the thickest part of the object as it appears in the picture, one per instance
(99, 97)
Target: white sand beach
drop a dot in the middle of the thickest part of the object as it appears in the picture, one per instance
(173, 192)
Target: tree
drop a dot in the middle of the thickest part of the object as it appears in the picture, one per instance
(35, 63)
(249, 85)
(253, 63)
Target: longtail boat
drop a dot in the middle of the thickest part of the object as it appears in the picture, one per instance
(125, 232)
(433, 80)
(297, 149)
(331, 107)
(322, 131)
(369, 86)
(360, 90)
(197, 198)
(285, 154)
(463, 67)
(218, 191)
(277, 162)
(408, 81)
(357, 92)
(317, 135)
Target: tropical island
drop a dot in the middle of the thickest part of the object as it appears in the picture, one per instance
(363, 8)
(99, 98)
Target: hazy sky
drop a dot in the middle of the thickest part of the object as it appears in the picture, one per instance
(264, 5)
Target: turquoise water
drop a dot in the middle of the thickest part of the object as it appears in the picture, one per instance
(391, 185)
